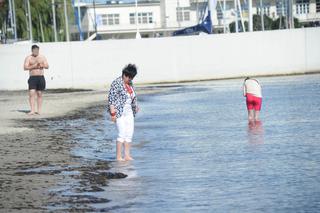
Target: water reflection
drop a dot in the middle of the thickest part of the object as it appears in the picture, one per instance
(188, 160)
(255, 132)
(125, 193)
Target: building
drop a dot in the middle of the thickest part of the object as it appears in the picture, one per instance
(155, 18)
(116, 19)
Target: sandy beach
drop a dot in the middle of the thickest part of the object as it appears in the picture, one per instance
(14, 106)
(25, 145)
(33, 157)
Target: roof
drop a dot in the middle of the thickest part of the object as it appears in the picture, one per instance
(108, 2)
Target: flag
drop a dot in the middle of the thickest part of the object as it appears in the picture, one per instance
(205, 26)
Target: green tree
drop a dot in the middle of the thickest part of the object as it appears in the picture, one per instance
(3, 15)
(257, 23)
(280, 23)
(269, 24)
(41, 12)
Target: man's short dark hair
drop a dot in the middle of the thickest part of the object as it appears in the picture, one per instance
(130, 71)
(35, 47)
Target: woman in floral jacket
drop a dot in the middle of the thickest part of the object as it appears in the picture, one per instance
(122, 106)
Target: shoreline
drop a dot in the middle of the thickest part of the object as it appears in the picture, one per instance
(36, 155)
(14, 105)
(230, 78)
(59, 102)
(161, 83)
(36, 152)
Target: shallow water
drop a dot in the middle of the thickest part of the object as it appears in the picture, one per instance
(194, 150)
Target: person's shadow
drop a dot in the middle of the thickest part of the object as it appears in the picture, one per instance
(255, 132)
(23, 111)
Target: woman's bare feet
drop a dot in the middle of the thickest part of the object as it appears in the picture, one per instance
(31, 113)
(128, 158)
(120, 159)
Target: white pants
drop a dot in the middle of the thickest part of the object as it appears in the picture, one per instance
(125, 125)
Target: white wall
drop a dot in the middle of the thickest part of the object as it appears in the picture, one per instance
(95, 64)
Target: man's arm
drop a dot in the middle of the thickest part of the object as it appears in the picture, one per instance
(44, 64)
(27, 66)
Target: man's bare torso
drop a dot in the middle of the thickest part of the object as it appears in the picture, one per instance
(40, 60)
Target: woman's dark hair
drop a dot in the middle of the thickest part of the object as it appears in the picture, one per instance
(130, 71)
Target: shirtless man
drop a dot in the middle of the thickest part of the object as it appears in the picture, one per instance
(35, 64)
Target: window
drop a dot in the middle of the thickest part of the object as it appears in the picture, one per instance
(318, 6)
(265, 9)
(281, 7)
(143, 18)
(302, 6)
(132, 18)
(110, 19)
(183, 13)
(219, 13)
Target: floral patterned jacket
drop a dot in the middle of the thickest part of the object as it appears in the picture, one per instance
(118, 96)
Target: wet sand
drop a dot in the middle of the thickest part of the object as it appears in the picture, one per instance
(34, 158)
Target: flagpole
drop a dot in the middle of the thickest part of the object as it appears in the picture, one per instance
(10, 13)
(137, 22)
(236, 15)
(95, 18)
(250, 16)
(30, 22)
(209, 11)
(66, 20)
(54, 20)
(290, 15)
(79, 21)
(241, 19)
(261, 15)
(14, 20)
(212, 4)
(41, 28)
(224, 17)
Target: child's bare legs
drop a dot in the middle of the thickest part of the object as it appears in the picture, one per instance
(119, 151)
(127, 147)
(256, 115)
(250, 115)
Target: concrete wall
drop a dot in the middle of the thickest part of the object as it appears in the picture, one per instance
(95, 64)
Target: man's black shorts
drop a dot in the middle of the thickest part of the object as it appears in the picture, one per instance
(37, 83)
